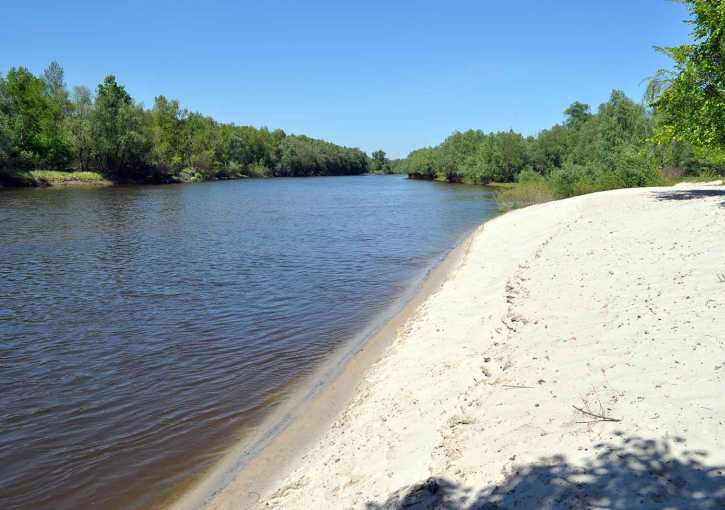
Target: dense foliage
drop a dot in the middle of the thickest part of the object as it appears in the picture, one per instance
(690, 101)
(622, 144)
(43, 126)
(585, 143)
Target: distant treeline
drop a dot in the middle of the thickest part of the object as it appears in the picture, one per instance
(44, 126)
(611, 146)
(678, 131)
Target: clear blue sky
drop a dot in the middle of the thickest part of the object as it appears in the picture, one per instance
(370, 74)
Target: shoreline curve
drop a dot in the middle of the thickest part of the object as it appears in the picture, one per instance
(251, 466)
(571, 351)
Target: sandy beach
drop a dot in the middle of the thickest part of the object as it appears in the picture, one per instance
(573, 357)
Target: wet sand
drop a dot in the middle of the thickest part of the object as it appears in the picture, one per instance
(571, 353)
(255, 463)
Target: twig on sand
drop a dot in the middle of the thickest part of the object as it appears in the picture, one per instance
(517, 386)
(597, 417)
(721, 277)
(510, 328)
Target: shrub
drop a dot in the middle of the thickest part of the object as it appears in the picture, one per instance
(528, 192)
(574, 179)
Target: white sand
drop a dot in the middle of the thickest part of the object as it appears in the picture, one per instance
(609, 302)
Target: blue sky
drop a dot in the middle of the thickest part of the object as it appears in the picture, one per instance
(390, 75)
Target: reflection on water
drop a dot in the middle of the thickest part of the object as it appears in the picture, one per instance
(142, 328)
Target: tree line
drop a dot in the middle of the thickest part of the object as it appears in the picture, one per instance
(45, 126)
(612, 147)
(678, 130)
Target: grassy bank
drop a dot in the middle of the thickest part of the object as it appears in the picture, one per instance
(532, 188)
(50, 178)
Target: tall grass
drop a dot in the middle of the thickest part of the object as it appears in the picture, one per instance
(32, 178)
(523, 194)
(57, 176)
(572, 180)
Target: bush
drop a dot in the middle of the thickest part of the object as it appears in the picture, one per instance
(258, 169)
(57, 176)
(574, 180)
(634, 169)
(190, 175)
(522, 194)
(528, 175)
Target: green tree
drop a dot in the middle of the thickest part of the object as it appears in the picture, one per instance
(55, 87)
(26, 106)
(54, 137)
(456, 154)
(5, 128)
(33, 113)
(509, 156)
(549, 150)
(303, 156)
(79, 126)
(379, 164)
(690, 101)
(168, 119)
(121, 132)
(622, 125)
(577, 114)
(422, 163)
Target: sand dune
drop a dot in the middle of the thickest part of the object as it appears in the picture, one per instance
(574, 357)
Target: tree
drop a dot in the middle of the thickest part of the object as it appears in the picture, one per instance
(379, 164)
(32, 114)
(57, 146)
(41, 124)
(55, 87)
(422, 163)
(622, 124)
(123, 140)
(577, 114)
(690, 101)
(26, 106)
(549, 150)
(79, 126)
(168, 119)
(586, 144)
(509, 156)
(456, 153)
(5, 132)
(303, 156)
(5, 137)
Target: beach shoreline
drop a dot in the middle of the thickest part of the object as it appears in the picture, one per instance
(249, 467)
(536, 343)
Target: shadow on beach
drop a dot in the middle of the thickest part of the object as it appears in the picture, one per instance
(690, 194)
(636, 473)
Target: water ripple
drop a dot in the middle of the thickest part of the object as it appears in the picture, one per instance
(142, 329)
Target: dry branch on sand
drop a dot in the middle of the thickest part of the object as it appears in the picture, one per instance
(597, 417)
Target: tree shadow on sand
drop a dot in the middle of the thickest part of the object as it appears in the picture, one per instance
(690, 194)
(637, 473)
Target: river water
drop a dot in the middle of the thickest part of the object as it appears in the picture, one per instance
(145, 329)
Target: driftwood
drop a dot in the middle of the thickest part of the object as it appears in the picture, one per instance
(597, 417)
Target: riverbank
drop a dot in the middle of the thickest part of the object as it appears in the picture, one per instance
(61, 178)
(574, 354)
(51, 179)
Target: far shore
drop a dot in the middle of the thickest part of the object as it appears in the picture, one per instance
(52, 179)
(572, 353)
(44, 179)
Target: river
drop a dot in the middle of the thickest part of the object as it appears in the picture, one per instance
(145, 329)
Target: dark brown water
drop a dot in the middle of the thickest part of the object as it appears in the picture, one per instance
(145, 329)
